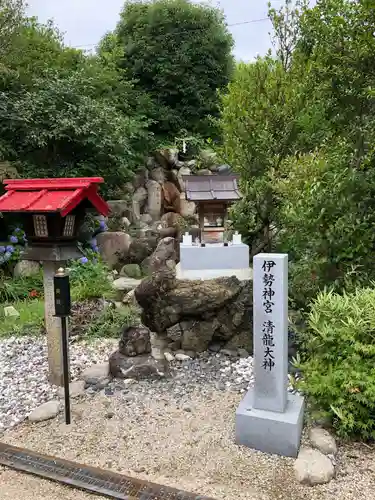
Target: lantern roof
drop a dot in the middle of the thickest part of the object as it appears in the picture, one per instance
(51, 195)
(201, 188)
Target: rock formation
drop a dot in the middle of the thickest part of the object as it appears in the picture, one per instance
(198, 312)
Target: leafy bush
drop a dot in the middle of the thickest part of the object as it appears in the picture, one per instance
(179, 53)
(326, 210)
(339, 361)
(89, 278)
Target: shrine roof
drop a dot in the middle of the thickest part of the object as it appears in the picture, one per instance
(51, 195)
(211, 188)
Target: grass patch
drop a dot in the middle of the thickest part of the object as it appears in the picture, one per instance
(89, 285)
(111, 322)
(16, 289)
(29, 322)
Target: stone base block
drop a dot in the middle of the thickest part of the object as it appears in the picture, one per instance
(53, 253)
(210, 274)
(270, 432)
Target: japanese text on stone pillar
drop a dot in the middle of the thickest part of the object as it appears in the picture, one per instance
(268, 326)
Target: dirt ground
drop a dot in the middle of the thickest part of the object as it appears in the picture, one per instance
(187, 444)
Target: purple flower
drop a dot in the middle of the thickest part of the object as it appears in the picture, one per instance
(83, 260)
(2, 249)
(102, 225)
(13, 239)
(95, 249)
(93, 243)
(9, 248)
(18, 230)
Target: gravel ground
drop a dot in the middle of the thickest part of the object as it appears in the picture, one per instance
(183, 439)
(177, 431)
(15, 485)
(23, 373)
(24, 368)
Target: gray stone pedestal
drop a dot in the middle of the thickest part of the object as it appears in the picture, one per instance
(269, 431)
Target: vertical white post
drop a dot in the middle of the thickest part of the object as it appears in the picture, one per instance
(236, 240)
(270, 296)
(187, 239)
(52, 325)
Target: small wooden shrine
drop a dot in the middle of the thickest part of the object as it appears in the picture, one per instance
(213, 195)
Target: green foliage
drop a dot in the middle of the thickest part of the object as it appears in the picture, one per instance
(258, 129)
(339, 362)
(89, 279)
(111, 322)
(326, 209)
(178, 53)
(11, 16)
(56, 129)
(299, 128)
(63, 113)
(29, 322)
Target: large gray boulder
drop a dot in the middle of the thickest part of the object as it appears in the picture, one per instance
(141, 248)
(322, 440)
(164, 252)
(312, 467)
(113, 246)
(46, 411)
(154, 199)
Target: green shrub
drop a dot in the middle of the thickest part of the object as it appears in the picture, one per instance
(89, 279)
(339, 361)
(111, 322)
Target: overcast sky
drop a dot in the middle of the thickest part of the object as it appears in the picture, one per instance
(84, 22)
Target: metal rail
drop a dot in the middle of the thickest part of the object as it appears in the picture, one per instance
(91, 479)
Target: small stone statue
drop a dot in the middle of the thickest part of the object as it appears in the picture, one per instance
(135, 340)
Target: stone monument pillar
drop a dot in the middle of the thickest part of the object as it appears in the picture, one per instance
(52, 324)
(270, 419)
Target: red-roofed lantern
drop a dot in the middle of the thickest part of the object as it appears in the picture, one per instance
(51, 212)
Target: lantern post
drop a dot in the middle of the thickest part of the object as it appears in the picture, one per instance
(63, 311)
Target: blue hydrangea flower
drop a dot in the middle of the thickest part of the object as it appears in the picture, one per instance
(9, 248)
(18, 230)
(13, 239)
(2, 249)
(102, 225)
(7, 255)
(93, 243)
(95, 249)
(83, 260)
